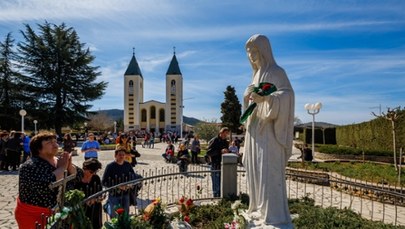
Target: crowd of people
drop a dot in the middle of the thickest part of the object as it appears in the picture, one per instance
(46, 165)
(14, 149)
(42, 164)
(189, 149)
(148, 137)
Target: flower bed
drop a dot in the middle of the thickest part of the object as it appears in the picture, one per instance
(223, 214)
(188, 215)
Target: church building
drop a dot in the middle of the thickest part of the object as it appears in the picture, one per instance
(153, 116)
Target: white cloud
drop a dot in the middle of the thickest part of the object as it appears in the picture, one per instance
(210, 37)
(22, 10)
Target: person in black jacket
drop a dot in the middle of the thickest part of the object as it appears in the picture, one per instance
(216, 147)
(183, 158)
(117, 172)
(3, 142)
(14, 148)
(90, 183)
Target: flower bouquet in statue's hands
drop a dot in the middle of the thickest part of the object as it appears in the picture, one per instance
(263, 89)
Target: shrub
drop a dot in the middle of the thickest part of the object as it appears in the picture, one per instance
(311, 216)
(344, 150)
(212, 216)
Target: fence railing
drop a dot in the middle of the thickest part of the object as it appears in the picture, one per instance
(372, 201)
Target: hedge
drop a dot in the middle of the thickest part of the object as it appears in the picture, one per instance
(372, 135)
(344, 150)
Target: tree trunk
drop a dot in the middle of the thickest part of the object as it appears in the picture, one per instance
(400, 165)
(323, 136)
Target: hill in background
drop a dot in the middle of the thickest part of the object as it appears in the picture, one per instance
(117, 114)
(114, 114)
(191, 121)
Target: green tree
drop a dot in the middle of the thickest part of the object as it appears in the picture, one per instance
(58, 75)
(10, 98)
(207, 130)
(231, 110)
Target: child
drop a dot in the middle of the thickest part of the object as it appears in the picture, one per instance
(183, 158)
(169, 152)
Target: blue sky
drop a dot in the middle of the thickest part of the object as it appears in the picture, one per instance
(349, 55)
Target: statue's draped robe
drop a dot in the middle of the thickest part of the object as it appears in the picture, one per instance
(268, 146)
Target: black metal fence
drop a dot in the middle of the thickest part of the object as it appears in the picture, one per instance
(373, 201)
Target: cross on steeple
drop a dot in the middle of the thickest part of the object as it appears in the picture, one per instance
(174, 50)
(133, 51)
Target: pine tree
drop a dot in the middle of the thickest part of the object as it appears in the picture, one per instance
(10, 98)
(231, 110)
(58, 75)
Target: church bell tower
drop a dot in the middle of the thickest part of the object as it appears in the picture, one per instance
(133, 94)
(174, 96)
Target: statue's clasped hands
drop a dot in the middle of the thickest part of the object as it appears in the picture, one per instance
(250, 94)
(249, 91)
(256, 97)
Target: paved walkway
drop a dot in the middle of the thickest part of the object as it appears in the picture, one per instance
(150, 160)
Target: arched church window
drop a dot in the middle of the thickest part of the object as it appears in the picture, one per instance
(161, 115)
(143, 115)
(173, 87)
(152, 112)
(131, 87)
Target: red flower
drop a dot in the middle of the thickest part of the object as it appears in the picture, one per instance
(119, 211)
(181, 199)
(145, 217)
(187, 218)
(266, 87)
(189, 202)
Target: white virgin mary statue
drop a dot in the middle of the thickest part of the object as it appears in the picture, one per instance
(269, 137)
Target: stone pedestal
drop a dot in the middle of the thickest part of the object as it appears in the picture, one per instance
(228, 175)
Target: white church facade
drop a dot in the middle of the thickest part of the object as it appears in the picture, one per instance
(153, 116)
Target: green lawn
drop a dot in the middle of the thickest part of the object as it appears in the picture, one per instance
(368, 171)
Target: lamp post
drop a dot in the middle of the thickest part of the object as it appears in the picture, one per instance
(181, 121)
(181, 117)
(313, 109)
(22, 113)
(115, 127)
(35, 127)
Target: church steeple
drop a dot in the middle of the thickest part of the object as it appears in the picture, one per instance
(174, 65)
(133, 67)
